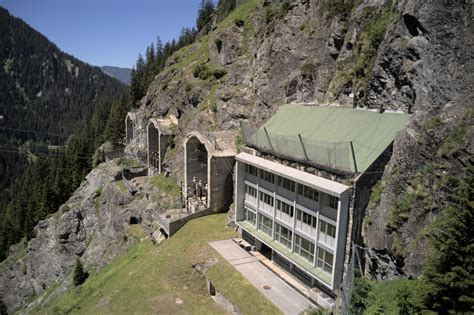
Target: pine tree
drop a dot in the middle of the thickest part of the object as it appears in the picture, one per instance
(205, 13)
(79, 275)
(449, 271)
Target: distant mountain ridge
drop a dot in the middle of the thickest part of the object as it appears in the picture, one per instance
(122, 74)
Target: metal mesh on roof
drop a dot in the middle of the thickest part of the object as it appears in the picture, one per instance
(333, 155)
(341, 139)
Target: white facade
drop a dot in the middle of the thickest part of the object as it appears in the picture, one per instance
(300, 216)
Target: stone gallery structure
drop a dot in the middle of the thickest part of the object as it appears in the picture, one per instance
(209, 159)
(303, 182)
(159, 134)
(130, 126)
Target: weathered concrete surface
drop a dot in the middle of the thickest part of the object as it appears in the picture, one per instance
(270, 285)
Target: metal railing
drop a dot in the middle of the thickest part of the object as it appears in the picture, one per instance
(336, 156)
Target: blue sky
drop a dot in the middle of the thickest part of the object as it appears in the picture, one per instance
(105, 32)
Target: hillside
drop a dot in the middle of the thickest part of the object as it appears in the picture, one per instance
(43, 91)
(161, 279)
(121, 74)
(381, 55)
(46, 96)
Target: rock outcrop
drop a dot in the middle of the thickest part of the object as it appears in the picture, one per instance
(92, 225)
(412, 56)
(406, 56)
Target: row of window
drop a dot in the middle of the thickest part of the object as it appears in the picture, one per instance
(302, 246)
(285, 208)
(251, 191)
(290, 185)
(266, 198)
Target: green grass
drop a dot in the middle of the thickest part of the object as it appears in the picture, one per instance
(453, 143)
(368, 43)
(400, 211)
(167, 185)
(128, 162)
(150, 279)
(376, 193)
(121, 185)
(239, 291)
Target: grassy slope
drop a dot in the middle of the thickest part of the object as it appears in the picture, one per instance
(152, 278)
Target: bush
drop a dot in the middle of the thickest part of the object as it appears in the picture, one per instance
(204, 71)
(97, 158)
(79, 275)
(189, 87)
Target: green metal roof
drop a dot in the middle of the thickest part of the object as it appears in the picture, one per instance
(328, 135)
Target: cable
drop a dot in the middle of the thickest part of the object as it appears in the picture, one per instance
(46, 154)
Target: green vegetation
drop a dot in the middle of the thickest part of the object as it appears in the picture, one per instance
(368, 43)
(98, 192)
(308, 69)
(433, 123)
(128, 162)
(206, 71)
(333, 8)
(121, 185)
(161, 279)
(376, 193)
(387, 297)
(358, 67)
(453, 143)
(275, 11)
(79, 274)
(167, 185)
(400, 212)
(447, 281)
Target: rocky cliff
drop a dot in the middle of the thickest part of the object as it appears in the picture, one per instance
(409, 56)
(413, 56)
(93, 225)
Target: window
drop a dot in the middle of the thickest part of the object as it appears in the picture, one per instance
(333, 202)
(269, 177)
(283, 235)
(308, 192)
(285, 208)
(251, 191)
(286, 183)
(265, 224)
(250, 216)
(327, 233)
(250, 169)
(327, 228)
(325, 260)
(266, 198)
(306, 218)
(304, 248)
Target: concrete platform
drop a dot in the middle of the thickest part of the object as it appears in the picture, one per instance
(270, 285)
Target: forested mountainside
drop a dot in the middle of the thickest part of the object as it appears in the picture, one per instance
(121, 74)
(407, 55)
(46, 96)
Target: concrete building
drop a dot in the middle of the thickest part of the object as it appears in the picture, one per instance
(130, 126)
(159, 134)
(303, 183)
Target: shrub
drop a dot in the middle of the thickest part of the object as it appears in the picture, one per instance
(308, 69)
(189, 87)
(80, 275)
(204, 71)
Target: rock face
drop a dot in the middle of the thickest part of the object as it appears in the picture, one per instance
(409, 56)
(92, 225)
(412, 56)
